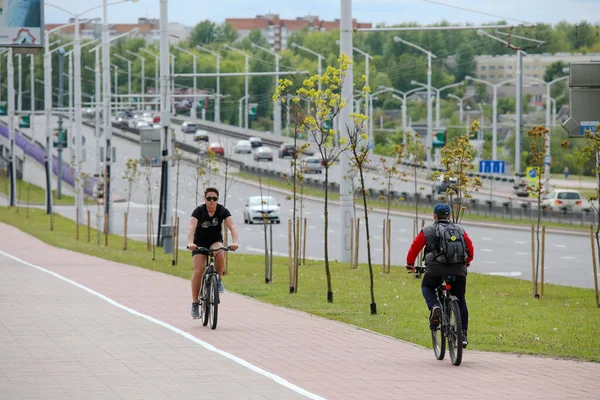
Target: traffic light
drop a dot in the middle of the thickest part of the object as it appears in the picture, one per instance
(439, 139)
(24, 121)
(62, 136)
(253, 110)
(2, 109)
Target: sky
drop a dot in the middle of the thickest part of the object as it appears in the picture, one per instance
(190, 12)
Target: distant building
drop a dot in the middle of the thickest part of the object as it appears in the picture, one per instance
(148, 29)
(500, 68)
(277, 31)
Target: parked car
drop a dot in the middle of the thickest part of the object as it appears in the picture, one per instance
(188, 127)
(255, 142)
(440, 186)
(259, 208)
(263, 153)
(201, 136)
(287, 150)
(216, 148)
(243, 146)
(313, 165)
(563, 199)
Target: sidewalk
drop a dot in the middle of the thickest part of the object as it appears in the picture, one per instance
(58, 340)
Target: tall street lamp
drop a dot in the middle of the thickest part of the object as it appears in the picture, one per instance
(240, 105)
(430, 55)
(128, 61)
(218, 87)
(319, 56)
(156, 71)
(437, 97)
(495, 87)
(142, 79)
(194, 99)
(11, 128)
(276, 104)
(247, 56)
(404, 100)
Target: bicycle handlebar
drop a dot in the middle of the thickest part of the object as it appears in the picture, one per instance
(419, 270)
(208, 251)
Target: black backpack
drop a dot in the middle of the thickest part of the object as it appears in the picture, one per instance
(450, 246)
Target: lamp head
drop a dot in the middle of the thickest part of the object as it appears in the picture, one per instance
(414, 82)
(253, 45)
(480, 32)
(397, 39)
(468, 77)
(294, 44)
(337, 42)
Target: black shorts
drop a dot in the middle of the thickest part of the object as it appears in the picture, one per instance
(206, 244)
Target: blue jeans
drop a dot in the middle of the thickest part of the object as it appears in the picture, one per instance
(459, 287)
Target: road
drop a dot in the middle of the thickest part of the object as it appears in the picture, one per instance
(498, 251)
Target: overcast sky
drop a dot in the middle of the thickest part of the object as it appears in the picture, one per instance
(190, 12)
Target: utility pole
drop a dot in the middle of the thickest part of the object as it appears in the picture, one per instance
(106, 125)
(61, 68)
(11, 128)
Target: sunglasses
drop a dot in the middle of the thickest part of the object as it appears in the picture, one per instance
(212, 198)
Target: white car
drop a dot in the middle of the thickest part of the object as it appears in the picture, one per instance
(563, 199)
(258, 209)
(243, 146)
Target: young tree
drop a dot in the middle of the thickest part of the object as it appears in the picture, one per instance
(359, 151)
(415, 154)
(457, 159)
(324, 95)
(131, 176)
(537, 152)
(392, 175)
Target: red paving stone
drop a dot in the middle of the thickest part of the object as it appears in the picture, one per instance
(327, 358)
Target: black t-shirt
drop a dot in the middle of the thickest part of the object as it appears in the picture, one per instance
(209, 230)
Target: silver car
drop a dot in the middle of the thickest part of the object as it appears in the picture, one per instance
(261, 209)
(312, 165)
(243, 146)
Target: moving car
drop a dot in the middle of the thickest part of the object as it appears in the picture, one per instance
(243, 146)
(201, 136)
(563, 199)
(313, 165)
(259, 209)
(216, 148)
(255, 142)
(287, 150)
(263, 153)
(188, 127)
(442, 184)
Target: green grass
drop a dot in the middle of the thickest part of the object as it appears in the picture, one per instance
(32, 194)
(574, 178)
(382, 204)
(503, 315)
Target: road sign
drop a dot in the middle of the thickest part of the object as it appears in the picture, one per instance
(24, 121)
(492, 167)
(588, 126)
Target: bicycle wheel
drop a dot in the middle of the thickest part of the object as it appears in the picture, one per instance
(454, 333)
(204, 309)
(438, 340)
(213, 301)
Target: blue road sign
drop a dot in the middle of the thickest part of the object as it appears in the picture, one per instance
(492, 166)
(588, 126)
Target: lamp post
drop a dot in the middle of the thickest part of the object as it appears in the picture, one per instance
(218, 87)
(319, 56)
(430, 55)
(20, 83)
(32, 93)
(437, 97)
(246, 55)
(128, 73)
(495, 87)
(404, 100)
(142, 79)
(156, 71)
(346, 188)
(115, 84)
(195, 58)
(276, 104)
(548, 160)
(241, 117)
(11, 128)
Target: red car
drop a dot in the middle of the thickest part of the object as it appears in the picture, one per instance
(216, 148)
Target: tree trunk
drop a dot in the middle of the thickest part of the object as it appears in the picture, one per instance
(326, 234)
(364, 196)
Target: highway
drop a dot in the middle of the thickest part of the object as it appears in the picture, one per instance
(498, 251)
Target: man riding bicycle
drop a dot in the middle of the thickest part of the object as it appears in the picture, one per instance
(438, 266)
(205, 230)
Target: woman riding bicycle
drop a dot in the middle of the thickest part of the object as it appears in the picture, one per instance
(437, 267)
(205, 230)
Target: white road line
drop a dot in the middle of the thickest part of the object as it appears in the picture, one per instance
(515, 273)
(489, 262)
(178, 331)
(487, 250)
(520, 253)
(402, 230)
(560, 246)
(567, 258)
(520, 242)
(311, 226)
(401, 240)
(486, 238)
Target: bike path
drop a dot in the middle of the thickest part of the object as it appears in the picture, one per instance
(75, 326)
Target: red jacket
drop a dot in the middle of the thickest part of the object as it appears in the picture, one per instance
(419, 243)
